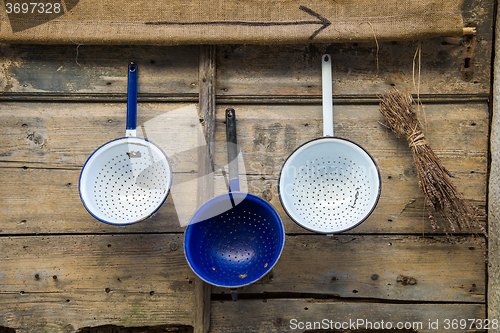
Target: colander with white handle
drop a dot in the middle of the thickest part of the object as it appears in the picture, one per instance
(329, 185)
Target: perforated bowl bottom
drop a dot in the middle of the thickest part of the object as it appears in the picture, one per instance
(329, 185)
(237, 246)
(125, 181)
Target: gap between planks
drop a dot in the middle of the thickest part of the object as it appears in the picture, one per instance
(330, 298)
(230, 99)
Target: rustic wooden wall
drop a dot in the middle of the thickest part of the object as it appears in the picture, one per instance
(64, 271)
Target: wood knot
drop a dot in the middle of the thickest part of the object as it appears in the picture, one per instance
(267, 194)
(174, 246)
(406, 280)
(36, 138)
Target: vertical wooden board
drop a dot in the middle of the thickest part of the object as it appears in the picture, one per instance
(481, 15)
(458, 133)
(205, 166)
(62, 283)
(290, 315)
(72, 69)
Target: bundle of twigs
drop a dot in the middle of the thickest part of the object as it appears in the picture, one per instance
(434, 179)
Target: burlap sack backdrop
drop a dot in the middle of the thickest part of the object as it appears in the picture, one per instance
(226, 21)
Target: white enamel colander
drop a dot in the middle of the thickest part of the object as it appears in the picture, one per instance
(329, 185)
(126, 180)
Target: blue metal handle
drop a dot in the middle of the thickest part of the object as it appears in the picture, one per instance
(132, 97)
(234, 295)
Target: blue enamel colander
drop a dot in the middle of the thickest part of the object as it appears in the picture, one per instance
(234, 239)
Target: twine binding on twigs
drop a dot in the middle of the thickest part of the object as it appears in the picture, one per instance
(417, 138)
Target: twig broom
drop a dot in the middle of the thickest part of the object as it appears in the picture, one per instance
(441, 195)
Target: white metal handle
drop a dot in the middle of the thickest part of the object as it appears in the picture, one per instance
(326, 81)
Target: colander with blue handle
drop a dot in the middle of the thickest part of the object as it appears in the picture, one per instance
(126, 180)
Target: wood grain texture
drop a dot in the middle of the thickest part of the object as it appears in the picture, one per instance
(248, 70)
(252, 70)
(62, 270)
(63, 135)
(458, 133)
(205, 188)
(400, 209)
(267, 71)
(136, 280)
(40, 201)
(276, 315)
(68, 69)
(362, 68)
(44, 146)
(62, 283)
(384, 268)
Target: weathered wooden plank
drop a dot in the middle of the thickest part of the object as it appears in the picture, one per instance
(205, 166)
(284, 315)
(481, 15)
(251, 70)
(59, 136)
(268, 134)
(29, 69)
(142, 329)
(358, 69)
(439, 279)
(458, 133)
(400, 210)
(47, 201)
(63, 135)
(62, 283)
(364, 68)
(402, 268)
